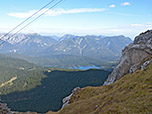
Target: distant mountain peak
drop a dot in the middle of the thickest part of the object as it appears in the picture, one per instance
(90, 45)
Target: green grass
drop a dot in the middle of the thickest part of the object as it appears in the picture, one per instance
(130, 95)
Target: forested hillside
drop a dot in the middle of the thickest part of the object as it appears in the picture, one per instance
(18, 75)
(27, 87)
(57, 85)
(66, 61)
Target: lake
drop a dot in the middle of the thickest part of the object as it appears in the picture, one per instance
(86, 67)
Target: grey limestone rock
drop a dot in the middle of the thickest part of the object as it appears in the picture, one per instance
(4, 109)
(132, 56)
(145, 64)
(67, 99)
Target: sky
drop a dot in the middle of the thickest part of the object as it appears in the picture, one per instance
(79, 17)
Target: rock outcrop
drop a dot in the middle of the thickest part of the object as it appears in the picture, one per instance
(4, 109)
(132, 56)
(144, 65)
(67, 99)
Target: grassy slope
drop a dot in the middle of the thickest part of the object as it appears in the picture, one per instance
(130, 95)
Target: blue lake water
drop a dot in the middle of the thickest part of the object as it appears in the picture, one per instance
(86, 67)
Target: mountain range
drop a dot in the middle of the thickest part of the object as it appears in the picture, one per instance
(128, 88)
(91, 46)
(43, 49)
(98, 46)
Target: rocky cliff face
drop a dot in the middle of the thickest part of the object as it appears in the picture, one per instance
(66, 100)
(132, 56)
(4, 109)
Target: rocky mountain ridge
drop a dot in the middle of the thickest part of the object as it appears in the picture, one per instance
(132, 56)
(25, 43)
(89, 45)
(97, 46)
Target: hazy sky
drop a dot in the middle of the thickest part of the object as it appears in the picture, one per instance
(104, 17)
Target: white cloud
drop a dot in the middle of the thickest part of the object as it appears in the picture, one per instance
(112, 6)
(146, 25)
(57, 12)
(125, 4)
(137, 25)
(131, 30)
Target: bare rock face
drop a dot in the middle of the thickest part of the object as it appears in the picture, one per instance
(132, 56)
(67, 99)
(4, 109)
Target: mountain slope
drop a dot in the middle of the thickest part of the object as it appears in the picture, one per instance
(68, 51)
(132, 90)
(132, 56)
(91, 46)
(29, 43)
(116, 43)
(132, 94)
(6, 47)
(18, 75)
(25, 86)
(56, 85)
(65, 61)
(34, 43)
